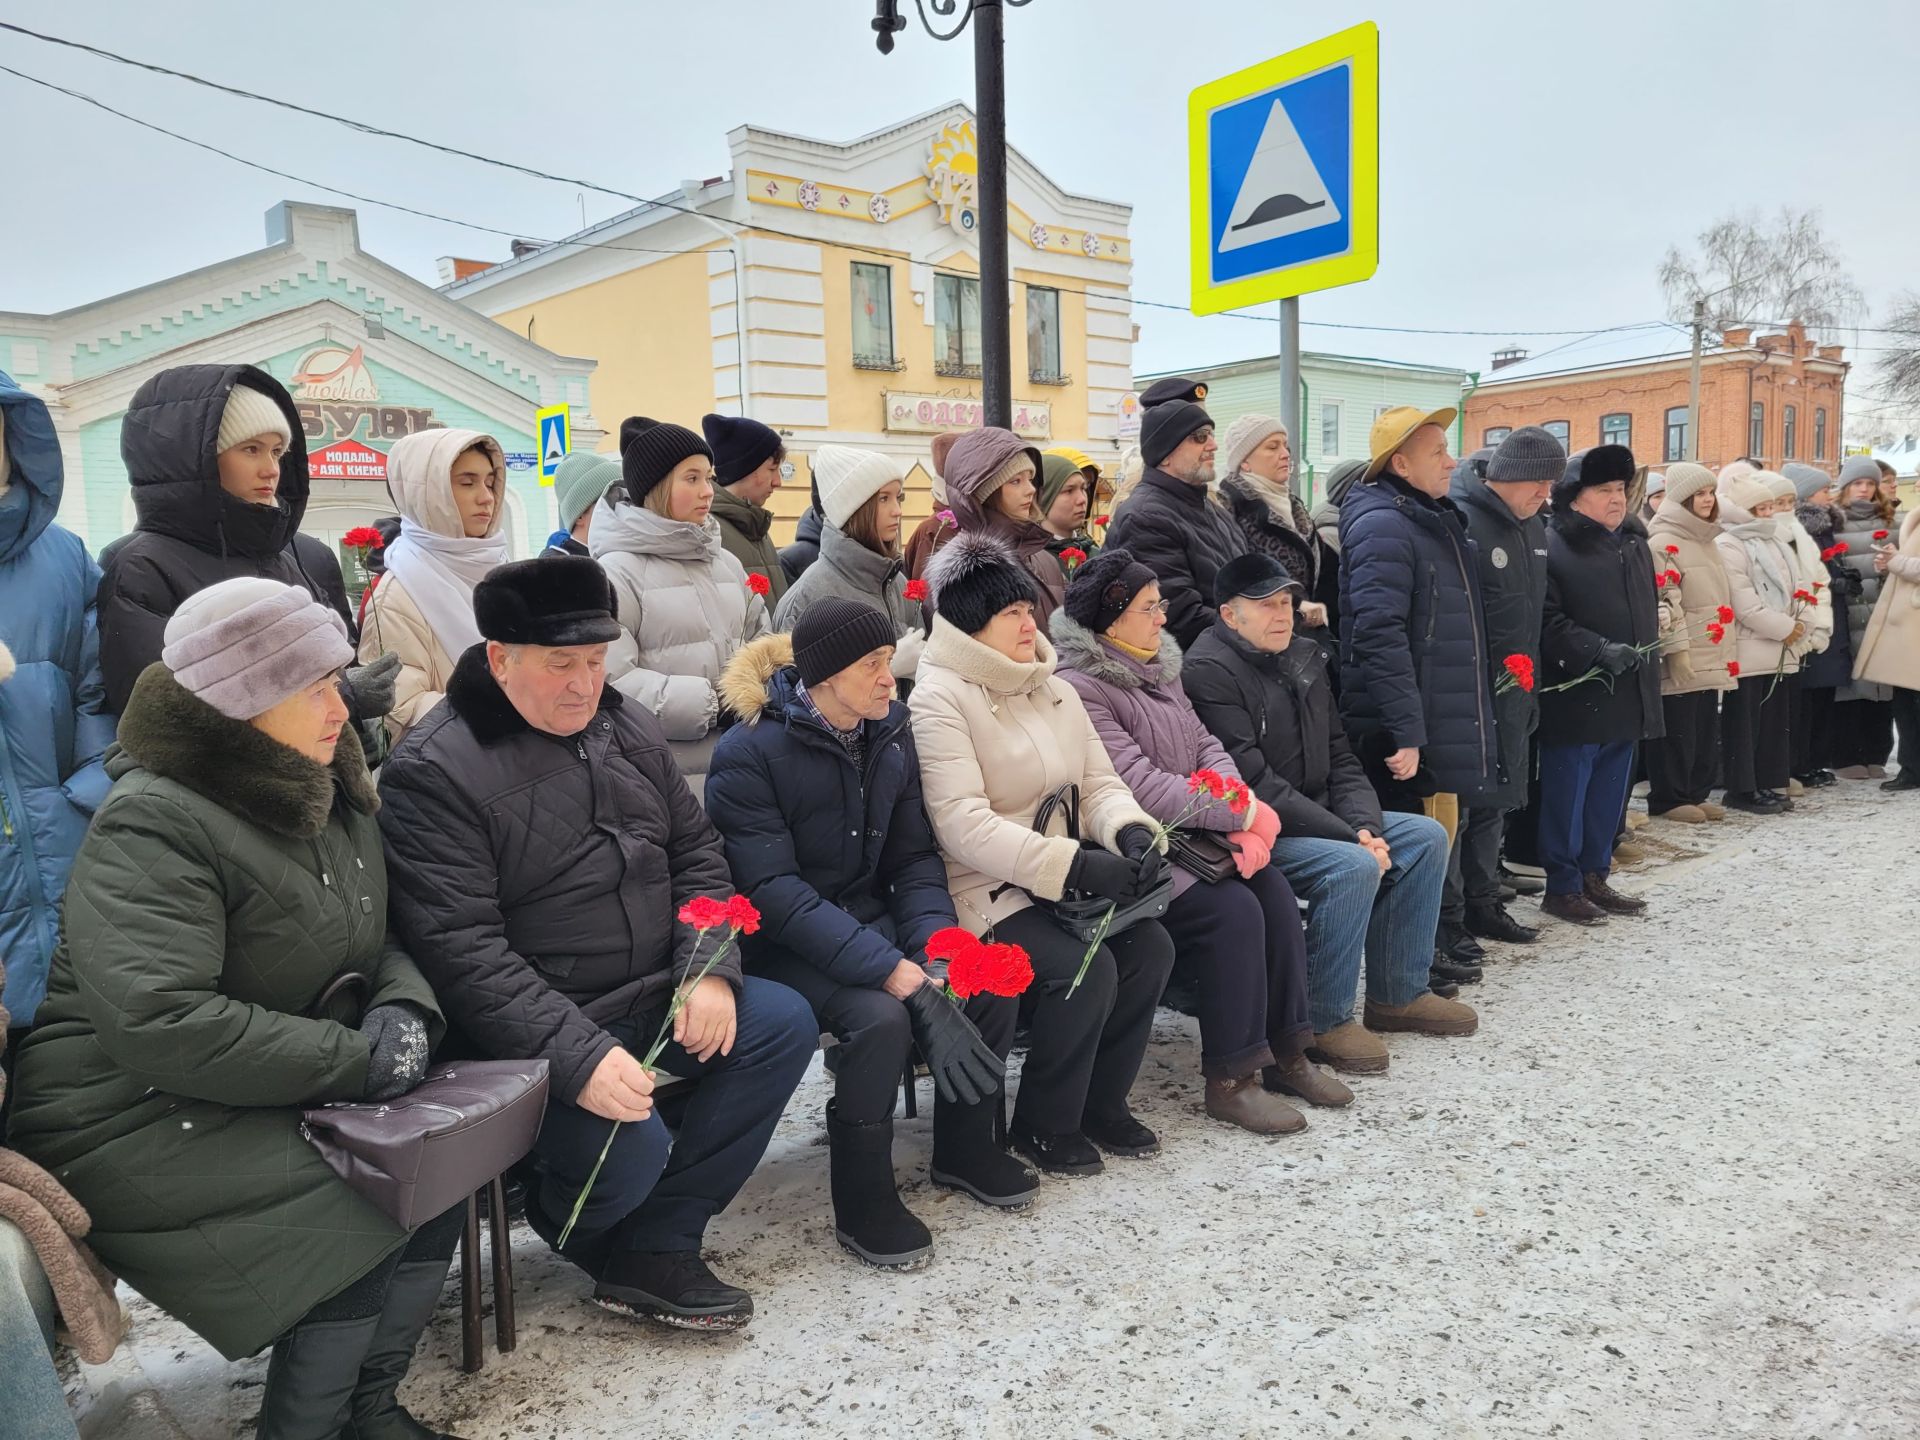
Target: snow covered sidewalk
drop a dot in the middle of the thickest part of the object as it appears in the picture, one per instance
(1669, 1189)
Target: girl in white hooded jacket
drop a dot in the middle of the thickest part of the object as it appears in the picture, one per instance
(1762, 577)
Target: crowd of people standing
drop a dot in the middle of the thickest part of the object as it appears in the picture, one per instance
(1290, 757)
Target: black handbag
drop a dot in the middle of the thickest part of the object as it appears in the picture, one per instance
(1204, 854)
(1083, 914)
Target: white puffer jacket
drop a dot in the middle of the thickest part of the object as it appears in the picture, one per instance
(684, 602)
(1761, 575)
(996, 737)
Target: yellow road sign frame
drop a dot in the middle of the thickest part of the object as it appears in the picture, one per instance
(1359, 46)
(540, 418)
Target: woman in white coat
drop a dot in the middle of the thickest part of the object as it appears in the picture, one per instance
(1762, 576)
(998, 733)
(684, 602)
(450, 487)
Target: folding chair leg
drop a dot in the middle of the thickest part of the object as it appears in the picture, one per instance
(503, 1322)
(472, 1333)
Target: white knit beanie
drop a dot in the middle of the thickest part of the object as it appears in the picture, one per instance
(1778, 485)
(1686, 480)
(245, 645)
(250, 413)
(1243, 437)
(848, 478)
(1743, 487)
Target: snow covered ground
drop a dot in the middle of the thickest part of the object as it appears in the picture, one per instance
(1669, 1189)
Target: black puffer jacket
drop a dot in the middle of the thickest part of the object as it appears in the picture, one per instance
(1599, 589)
(1414, 658)
(1277, 717)
(189, 533)
(1833, 666)
(536, 878)
(805, 549)
(1511, 555)
(1180, 534)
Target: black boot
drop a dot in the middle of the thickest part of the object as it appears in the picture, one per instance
(868, 1218)
(1459, 946)
(311, 1378)
(965, 1157)
(1490, 921)
(376, 1409)
(588, 1252)
(674, 1287)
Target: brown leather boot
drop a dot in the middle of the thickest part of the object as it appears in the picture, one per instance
(1300, 1077)
(1427, 1015)
(1246, 1103)
(1577, 909)
(1350, 1047)
(1610, 899)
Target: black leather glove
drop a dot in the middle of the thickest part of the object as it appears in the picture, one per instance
(1100, 872)
(1617, 659)
(397, 1038)
(369, 687)
(1137, 843)
(965, 1069)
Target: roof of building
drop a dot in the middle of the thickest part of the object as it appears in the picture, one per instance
(1310, 357)
(1602, 350)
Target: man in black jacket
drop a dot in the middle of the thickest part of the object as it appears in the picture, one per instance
(1602, 620)
(540, 844)
(1170, 521)
(1371, 882)
(1501, 494)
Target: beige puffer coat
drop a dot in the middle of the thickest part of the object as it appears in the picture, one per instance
(684, 601)
(1889, 654)
(1761, 575)
(1689, 660)
(996, 737)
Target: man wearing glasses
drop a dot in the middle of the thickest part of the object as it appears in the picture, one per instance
(1170, 522)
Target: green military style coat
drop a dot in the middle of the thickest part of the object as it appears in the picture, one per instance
(226, 881)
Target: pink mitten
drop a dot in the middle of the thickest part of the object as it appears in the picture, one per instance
(1265, 823)
(1251, 852)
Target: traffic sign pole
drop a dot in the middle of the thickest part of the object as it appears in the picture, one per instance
(1290, 376)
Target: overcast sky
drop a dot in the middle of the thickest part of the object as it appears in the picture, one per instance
(1536, 159)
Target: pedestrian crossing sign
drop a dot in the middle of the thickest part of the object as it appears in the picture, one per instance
(555, 428)
(1284, 174)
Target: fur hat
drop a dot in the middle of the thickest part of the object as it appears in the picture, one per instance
(250, 413)
(974, 578)
(847, 478)
(835, 633)
(1686, 480)
(649, 449)
(1601, 465)
(551, 600)
(1103, 587)
(740, 446)
(245, 645)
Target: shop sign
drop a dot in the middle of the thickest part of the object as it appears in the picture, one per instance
(930, 414)
(337, 396)
(347, 460)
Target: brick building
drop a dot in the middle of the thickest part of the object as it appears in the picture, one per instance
(1774, 397)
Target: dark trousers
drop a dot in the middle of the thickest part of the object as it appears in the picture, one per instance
(874, 1033)
(1582, 791)
(1083, 1053)
(1244, 943)
(657, 1192)
(1755, 745)
(1681, 765)
(1522, 842)
(1906, 715)
(1862, 732)
(1809, 728)
(435, 1240)
(1473, 865)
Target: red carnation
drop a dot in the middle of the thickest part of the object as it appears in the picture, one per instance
(950, 943)
(1673, 549)
(1733, 668)
(741, 915)
(1660, 581)
(1211, 781)
(990, 970)
(1724, 615)
(1879, 534)
(1673, 577)
(1520, 667)
(916, 589)
(1239, 798)
(1716, 633)
(1804, 596)
(363, 537)
(1102, 520)
(705, 913)
(1840, 547)
(1072, 557)
(759, 584)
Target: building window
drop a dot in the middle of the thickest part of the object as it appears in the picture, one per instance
(1757, 430)
(1043, 336)
(1330, 430)
(1820, 432)
(873, 317)
(1616, 429)
(1676, 434)
(956, 325)
(1380, 410)
(1493, 435)
(1788, 427)
(1559, 430)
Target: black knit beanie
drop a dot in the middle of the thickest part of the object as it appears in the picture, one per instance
(1163, 427)
(1103, 587)
(973, 578)
(649, 449)
(740, 446)
(835, 633)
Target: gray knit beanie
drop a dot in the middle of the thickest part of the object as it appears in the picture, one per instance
(1808, 480)
(579, 482)
(1528, 454)
(245, 645)
(1860, 467)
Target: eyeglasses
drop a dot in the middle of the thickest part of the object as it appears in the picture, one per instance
(1158, 607)
(1202, 436)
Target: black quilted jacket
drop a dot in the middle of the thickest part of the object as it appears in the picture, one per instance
(536, 877)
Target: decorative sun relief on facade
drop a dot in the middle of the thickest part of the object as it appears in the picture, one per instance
(953, 171)
(879, 207)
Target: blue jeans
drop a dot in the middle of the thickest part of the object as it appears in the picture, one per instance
(35, 1405)
(1583, 793)
(1355, 913)
(658, 1190)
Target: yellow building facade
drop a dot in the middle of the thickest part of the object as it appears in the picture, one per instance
(831, 292)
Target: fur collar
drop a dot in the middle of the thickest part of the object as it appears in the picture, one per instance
(1584, 533)
(1078, 648)
(476, 697)
(174, 733)
(950, 648)
(743, 684)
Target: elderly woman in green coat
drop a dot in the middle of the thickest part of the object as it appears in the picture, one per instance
(232, 876)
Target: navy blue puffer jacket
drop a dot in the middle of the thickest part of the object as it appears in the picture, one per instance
(1414, 659)
(839, 859)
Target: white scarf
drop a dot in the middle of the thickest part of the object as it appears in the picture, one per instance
(1277, 495)
(440, 572)
(1761, 540)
